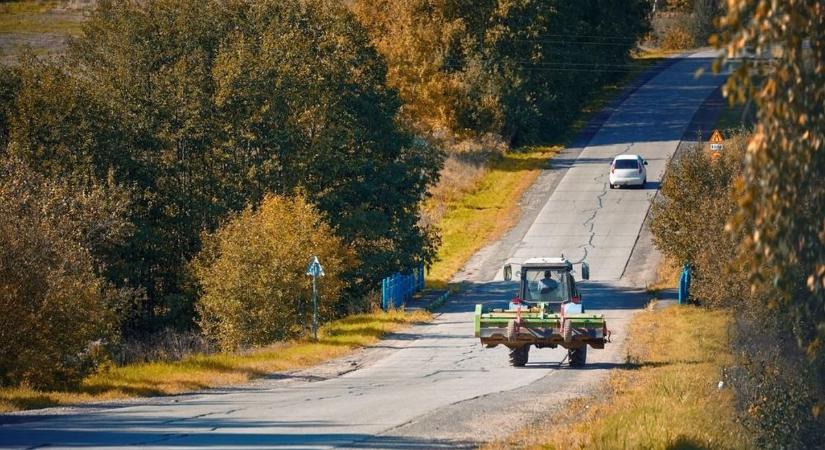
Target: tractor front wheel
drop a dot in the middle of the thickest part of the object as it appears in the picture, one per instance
(519, 355)
(577, 356)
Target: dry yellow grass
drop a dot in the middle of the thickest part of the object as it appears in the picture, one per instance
(204, 371)
(667, 397)
(486, 213)
(667, 276)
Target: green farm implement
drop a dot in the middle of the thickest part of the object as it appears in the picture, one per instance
(548, 312)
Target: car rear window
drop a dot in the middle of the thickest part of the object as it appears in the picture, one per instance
(626, 164)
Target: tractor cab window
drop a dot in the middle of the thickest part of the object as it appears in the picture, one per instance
(545, 285)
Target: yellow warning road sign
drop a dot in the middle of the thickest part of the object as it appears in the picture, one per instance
(716, 141)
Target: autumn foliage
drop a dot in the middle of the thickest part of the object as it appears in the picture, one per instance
(53, 304)
(252, 272)
(194, 112)
(519, 69)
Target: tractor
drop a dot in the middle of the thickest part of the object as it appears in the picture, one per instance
(547, 312)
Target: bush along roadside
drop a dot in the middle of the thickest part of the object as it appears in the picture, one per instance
(778, 393)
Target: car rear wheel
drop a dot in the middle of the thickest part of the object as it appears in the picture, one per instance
(519, 355)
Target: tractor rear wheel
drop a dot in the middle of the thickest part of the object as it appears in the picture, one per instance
(577, 356)
(519, 355)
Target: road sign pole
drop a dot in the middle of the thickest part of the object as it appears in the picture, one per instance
(314, 308)
(315, 270)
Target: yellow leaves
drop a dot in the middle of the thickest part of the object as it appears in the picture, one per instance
(757, 141)
(769, 89)
(814, 347)
(252, 272)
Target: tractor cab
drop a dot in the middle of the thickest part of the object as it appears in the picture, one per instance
(549, 281)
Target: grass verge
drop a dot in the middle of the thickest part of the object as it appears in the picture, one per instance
(485, 214)
(666, 397)
(336, 339)
(491, 208)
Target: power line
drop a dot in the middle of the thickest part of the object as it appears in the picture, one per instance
(565, 42)
(589, 36)
(562, 67)
(565, 63)
(551, 64)
(547, 68)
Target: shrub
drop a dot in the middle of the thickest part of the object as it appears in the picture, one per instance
(252, 272)
(776, 388)
(686, 26)
(53, 305)
(697, 200)
(8, 87)
(166, 345)
(674, 31)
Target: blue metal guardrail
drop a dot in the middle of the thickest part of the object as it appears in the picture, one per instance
(397, 289)
(684, 285)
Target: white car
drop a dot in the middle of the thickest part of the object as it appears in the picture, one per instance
(628, 170)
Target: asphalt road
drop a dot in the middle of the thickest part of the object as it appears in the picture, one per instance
(584, 219)
(435, 386)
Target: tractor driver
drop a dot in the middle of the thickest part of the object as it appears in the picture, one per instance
(547, 284)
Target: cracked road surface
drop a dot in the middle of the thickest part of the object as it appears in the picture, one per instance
(583, 218)
(434, 385)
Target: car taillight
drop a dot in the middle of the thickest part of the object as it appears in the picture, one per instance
(612, 168)
(576, 299)
(640, 169)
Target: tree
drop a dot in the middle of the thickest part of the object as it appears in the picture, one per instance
(252, 271)
(781, 199)
(782, 192)
(201, 107)
(53, 304)
(517, 68)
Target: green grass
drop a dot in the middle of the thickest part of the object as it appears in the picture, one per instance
(336, 339)
(666, 397)
(486, 212)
